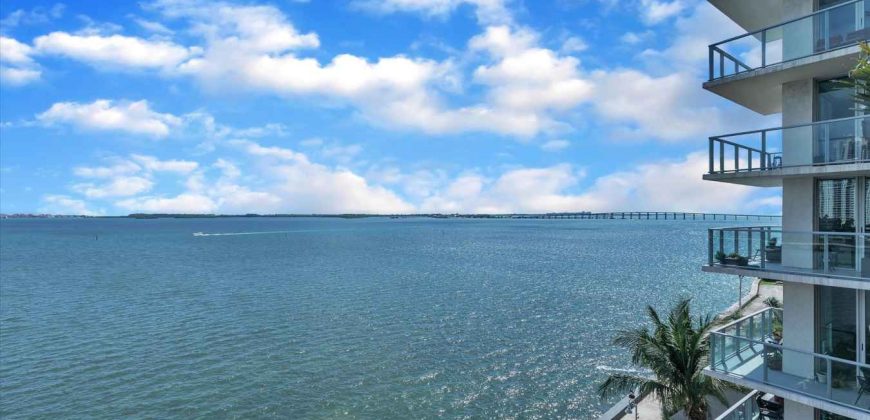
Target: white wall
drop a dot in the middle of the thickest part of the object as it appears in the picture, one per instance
(797, 411)
(798, 330)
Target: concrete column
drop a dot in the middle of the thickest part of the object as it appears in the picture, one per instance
(798, 330)
(797, 216)
(797, 108)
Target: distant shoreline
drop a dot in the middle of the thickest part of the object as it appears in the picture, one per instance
(619, 215)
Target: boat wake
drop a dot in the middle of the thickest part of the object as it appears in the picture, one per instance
(622, 370)
(269, 232)
(274, 232)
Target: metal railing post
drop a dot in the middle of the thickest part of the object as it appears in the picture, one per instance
(711, 155)
(736, 158)
(710, 246)
(713, 342)
(825, 253)
(830, 377)
(710, 52)
(763, 253)
(722, 156)
(763, 150)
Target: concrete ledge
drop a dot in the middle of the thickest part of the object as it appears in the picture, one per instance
(761, 89)
(774, 177)
(788, 394)
(789, 276)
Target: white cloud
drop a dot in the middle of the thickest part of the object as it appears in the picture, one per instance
(487, 11)
(115, 50)
(153, 26)
(18, 76)
(151, 163)
(249, 29)
(106, 115)
(36, 15)
(664, 107)
(574, 44)
(342, 154)
(654, 11)
(307, 187)
(118, 187)
(119, 167)
(633, 38)
(555, 145)
(62, 204)
(663, 186)
(662, 99)
(16, 63)
(182, 203)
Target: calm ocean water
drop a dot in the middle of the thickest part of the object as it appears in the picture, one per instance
(366, 318)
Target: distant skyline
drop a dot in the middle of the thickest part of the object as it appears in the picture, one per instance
(362, 106)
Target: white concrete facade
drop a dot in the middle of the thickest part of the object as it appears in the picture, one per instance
(792, 88)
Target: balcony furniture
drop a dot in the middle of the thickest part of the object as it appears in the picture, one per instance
(773, 254)
(777, 162)
(768, 409)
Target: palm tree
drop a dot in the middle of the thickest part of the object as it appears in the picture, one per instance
(859, 76)
(675, 352)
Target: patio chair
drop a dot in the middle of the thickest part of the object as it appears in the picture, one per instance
(863, 383)
(768, 410)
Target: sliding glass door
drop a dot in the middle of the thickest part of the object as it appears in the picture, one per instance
(838, 141)
(835, 244)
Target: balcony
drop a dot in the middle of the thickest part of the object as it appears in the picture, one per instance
(749, 352)
(837, 259)
(745, 409)
(764, 157)
(750, 69)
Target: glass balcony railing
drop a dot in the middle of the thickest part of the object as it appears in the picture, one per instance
(767, 248)
(752, 348)
(830, 142)
(829, 29)
(745, 409)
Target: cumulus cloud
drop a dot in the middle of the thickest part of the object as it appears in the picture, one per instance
(36, 15)
(663, 186)
(17, 66)
(116, 187)
(555, 145)
(107, 115)
(487, 11)
(116, 51)
(255, 48)
(151, 163)
(305, 186)
(665, 107)
(63, 204)
(655, 11)
(182, 203)
(662, 99)
(125, 177)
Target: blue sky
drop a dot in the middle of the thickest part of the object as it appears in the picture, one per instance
(363, 106)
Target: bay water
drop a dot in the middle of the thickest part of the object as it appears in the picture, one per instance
(325, 318)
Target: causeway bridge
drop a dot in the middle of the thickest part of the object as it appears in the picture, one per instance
(650, 215)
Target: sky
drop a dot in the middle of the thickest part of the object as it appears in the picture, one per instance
(363, 106)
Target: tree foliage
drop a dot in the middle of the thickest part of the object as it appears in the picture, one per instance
(675, 352)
